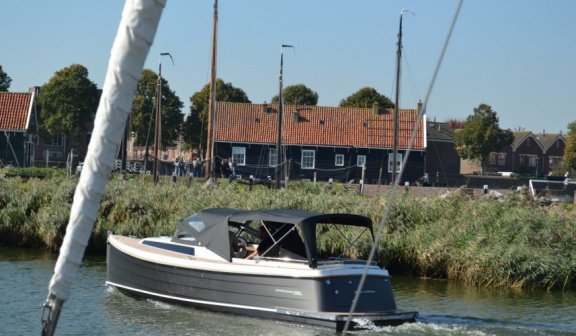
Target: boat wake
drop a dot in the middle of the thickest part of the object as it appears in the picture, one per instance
(159, 304)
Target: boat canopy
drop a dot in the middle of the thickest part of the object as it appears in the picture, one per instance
(209, 227)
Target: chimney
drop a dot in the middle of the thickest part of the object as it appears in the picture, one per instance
(295, 116)
(375, 108)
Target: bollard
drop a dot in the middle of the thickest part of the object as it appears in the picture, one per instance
(406, 185)
(330, 180)
(485, 189)
(251, 182)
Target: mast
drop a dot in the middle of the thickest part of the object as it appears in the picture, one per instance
(397, 101)
(280, 109)
(212, 98)
(157, 126)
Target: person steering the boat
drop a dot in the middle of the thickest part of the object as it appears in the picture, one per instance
(266, 242)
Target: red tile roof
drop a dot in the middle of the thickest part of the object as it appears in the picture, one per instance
(317, 126)
(14, 110)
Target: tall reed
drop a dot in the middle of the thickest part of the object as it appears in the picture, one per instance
(501, 243)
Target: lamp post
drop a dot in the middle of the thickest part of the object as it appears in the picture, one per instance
(280, 107)
(158, 125)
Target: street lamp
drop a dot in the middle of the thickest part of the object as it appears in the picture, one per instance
(280, 107)
(158, 127)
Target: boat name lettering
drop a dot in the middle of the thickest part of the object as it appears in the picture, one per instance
(366, 291)
(288, 291)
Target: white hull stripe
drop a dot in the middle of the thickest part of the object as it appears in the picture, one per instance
(212, 303)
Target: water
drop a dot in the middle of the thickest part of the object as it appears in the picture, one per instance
(445, 308)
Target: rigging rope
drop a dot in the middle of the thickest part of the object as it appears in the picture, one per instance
(386, 214)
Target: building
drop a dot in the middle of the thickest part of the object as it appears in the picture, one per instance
(529, 154)
(320, 143)
(442, 160)
(18, 127)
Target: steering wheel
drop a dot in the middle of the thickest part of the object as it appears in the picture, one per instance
(241, 242)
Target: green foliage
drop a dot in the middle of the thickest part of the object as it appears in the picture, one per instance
(68, 102)
(569, 159)
(366, 97)
(194, 129)
(37, 172)
(298, 94)
(510, 243)
(481, 135)
(485, 242)
(5, 80)
(143, 110)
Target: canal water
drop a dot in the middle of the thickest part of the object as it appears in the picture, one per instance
(446, 308)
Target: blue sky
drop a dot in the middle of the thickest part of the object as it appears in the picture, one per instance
(519, 56)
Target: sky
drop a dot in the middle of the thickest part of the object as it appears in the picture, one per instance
(518, 56)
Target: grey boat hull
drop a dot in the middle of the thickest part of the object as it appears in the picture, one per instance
(323, 300)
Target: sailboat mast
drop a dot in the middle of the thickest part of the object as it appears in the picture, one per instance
(212, 98)
(397, 103)
(158, 126)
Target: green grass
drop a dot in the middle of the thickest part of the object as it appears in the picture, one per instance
(510, 243)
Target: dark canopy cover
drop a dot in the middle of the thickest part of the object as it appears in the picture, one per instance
(209, 227)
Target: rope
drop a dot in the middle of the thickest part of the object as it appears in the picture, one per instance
(386, 214)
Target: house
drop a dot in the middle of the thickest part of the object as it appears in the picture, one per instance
(20, 142)
(18, 127)
(553, 145)
(529, 154)
(320, 143)
(442, 160)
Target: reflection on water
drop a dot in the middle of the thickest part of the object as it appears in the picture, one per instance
(445, 308)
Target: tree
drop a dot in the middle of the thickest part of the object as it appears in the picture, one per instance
(68, 103)
(143, 110)
(297, 94)
(5, 80)
(481, 135)
(366, 97)
(194, 129)
(569, 159)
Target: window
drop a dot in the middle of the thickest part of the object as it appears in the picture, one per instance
(497, 159)
(391, 162)
(272, 157)
(528, 160)
(554, 161)
(339, 160)
(52, 155)
(57, 140)
(360, 160)
(308, 158)
(239, 155)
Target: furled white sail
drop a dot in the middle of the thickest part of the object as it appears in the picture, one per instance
(135, 35)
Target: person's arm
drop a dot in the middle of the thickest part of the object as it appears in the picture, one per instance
(252, 255)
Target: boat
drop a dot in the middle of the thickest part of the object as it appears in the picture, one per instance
(260, 263)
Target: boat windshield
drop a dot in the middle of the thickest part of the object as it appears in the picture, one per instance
(189, 228)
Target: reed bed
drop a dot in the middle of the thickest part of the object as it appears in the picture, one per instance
(497, 243)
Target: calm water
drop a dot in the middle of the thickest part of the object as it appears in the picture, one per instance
(445, 308)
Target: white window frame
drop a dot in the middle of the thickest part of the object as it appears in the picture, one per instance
(272, 157)
(239, 155)
(398, 162)
(55, 141)
(360, 160)
(498, 158)
(307, 156)
(339, 160)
